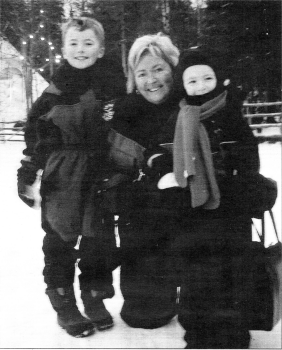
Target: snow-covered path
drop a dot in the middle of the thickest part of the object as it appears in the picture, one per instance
(26, 317)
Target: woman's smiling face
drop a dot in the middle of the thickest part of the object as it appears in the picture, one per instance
(153, 78)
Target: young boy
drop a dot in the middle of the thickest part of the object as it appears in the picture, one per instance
(66, 137)
(212, 144)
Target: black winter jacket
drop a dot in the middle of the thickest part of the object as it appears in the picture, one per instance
(234, 148)
(66, 137)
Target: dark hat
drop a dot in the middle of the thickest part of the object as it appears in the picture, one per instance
(193, 57)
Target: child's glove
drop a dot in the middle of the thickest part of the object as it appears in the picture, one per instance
(29, 183)
(30, 195)
(27, 172)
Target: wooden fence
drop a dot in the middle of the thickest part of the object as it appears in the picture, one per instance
(9, 131)
(257, 114)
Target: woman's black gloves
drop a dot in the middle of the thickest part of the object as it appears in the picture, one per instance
(158, 162)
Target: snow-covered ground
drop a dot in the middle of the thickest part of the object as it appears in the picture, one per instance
(26, 317)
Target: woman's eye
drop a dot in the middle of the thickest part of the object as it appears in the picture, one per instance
(159, 69)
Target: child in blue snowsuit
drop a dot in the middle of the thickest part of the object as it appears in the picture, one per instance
(66, 137)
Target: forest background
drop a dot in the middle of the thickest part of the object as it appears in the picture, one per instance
(246, 33)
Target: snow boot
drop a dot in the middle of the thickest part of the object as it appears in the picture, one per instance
(69, 318)
(95, 309)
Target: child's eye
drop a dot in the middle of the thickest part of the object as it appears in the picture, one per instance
(192, 82)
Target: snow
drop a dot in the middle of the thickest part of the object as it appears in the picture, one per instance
(12, 85)
(26, 317)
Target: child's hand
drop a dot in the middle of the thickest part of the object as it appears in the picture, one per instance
(30, 194)
(27, 172)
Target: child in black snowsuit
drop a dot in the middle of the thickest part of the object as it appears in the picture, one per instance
(66, 137)
(212, 146)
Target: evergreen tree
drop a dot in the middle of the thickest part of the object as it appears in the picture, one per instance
(126, 20)
(33, 27)
(183, 28)
(248, 36)
(13, 20)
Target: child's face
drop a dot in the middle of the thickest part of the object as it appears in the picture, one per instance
(199, 80)
(82, 49)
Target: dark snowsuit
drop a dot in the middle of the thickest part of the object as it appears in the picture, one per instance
(67, 138)
(167, 244)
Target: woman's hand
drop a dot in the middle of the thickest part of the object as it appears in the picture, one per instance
(159, 164)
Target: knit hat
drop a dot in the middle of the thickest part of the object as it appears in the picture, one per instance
(192, 57)
(198, 56)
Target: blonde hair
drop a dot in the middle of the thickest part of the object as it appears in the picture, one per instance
(158, 45)
(83, 23)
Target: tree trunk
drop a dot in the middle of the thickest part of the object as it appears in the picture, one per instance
(27, 73)
(123, 43)
(165, 15)
(199, 21)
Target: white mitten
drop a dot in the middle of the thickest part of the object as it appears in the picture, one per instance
(167, 181)
(32, 192)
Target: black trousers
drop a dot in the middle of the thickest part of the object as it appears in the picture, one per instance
(212, 270)
(98, 257)
(147, 278)
(199, 254)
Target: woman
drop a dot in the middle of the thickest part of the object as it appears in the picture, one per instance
(147, 278)
(166, 240)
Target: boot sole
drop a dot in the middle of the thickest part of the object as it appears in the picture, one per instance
(103, 324)
(146, 323)
(103, 327)
(79, 330)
